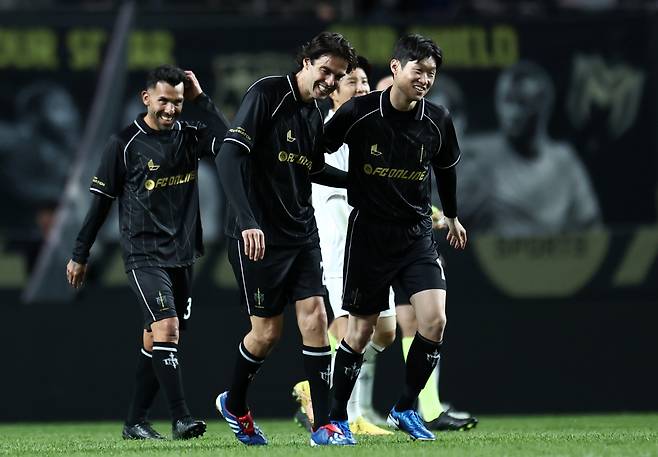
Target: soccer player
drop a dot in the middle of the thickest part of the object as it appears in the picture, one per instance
(331, 214)
(394, 138)
(150, 167)
(269, 156)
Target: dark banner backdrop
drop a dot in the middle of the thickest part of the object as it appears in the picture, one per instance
(541, 323)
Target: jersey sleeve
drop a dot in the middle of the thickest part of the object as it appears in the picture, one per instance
(335, 131)
(250, 120)
(449, 153)
(109, 178)
(210, 132)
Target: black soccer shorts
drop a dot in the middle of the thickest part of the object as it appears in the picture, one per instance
(162, 293)
(380, 254)
(286, 274)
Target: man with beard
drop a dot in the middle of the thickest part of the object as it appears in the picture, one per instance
(269, 157)
(150, 167)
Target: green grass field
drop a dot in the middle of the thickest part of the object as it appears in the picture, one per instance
(587, 436)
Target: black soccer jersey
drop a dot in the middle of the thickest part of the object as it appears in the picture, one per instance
(391, 153)
(282, 136)
(153, 174)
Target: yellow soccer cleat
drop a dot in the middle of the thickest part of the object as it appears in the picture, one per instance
(360, 426)
(302, 393)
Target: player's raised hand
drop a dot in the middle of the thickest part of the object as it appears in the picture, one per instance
(75, 273)
(254, 244)
(456, 233)
(192, 86)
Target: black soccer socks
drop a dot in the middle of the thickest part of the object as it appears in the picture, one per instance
(246, 367)
(422, 358)
(317, 365)
(146, 388)
(167, 369)
(346, 371)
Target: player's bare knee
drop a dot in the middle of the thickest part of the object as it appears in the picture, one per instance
(313, 323)
(433, 328)
(268, 337)
(384, 338)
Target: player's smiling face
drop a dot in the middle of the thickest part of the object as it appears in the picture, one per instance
(322, 75)
(415, 78)
(164, 104)
(353, 85)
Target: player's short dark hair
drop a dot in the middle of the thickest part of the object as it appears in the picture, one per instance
(417, 47)
(167, 73)
(362, 62)
(327, 43)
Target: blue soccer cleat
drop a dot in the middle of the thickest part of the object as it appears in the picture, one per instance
(410, 422)
(329, 435)
(344, 427)
(244, 427)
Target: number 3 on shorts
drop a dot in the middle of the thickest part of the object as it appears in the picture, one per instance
(188, 310)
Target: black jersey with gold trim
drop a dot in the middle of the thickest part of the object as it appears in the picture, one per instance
(391, 153)
(153, 175)
(282, 136)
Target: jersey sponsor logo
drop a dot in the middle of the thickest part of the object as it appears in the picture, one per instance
(97, 181)
(240, 131)
(395, 173)
(176, 180)
(295, 158)
(374, 151)
(152, 165)
(289, 137)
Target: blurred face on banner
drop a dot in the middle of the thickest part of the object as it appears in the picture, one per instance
(320, 77)
(354, 84)
(519, 105)
(164, 104)
(415, 78)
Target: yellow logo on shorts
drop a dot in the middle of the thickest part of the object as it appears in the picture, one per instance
(259, 297)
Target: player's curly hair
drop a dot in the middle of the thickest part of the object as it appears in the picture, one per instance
(327, 43)
(167, 73)
(417, 47)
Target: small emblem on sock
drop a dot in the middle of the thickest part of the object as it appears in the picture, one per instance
(433, 357)
(353, 371)
(171, 361)
(326, 375)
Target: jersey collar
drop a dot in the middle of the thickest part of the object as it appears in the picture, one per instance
(292, 82)
(387, 110)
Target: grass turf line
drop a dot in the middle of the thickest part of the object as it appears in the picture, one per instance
(613, 435)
